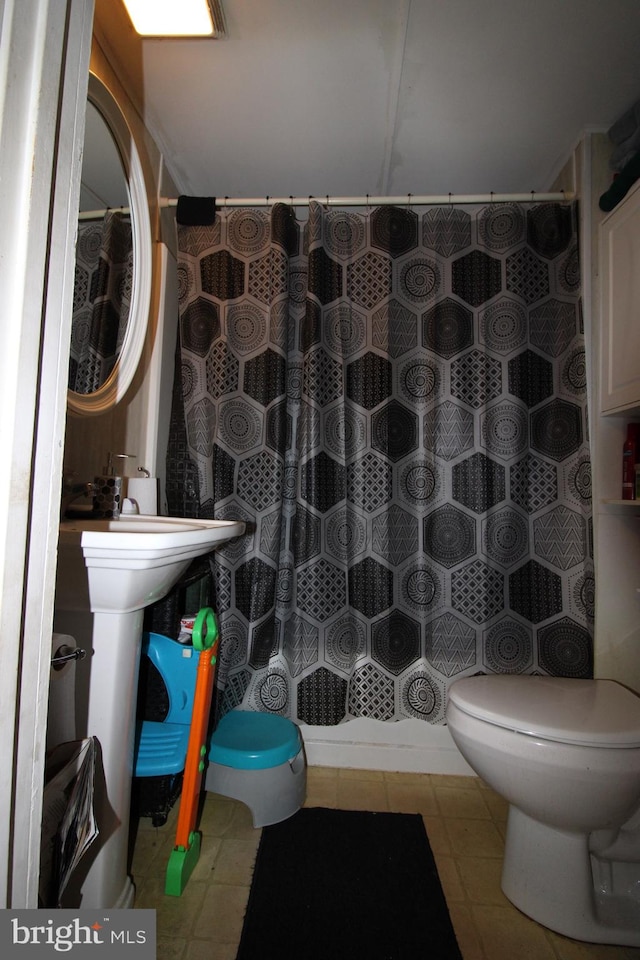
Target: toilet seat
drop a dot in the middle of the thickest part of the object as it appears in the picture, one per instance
(562, 710)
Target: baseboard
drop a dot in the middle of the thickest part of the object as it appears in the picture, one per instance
(409, 746)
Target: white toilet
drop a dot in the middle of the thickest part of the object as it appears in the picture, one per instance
(565, 754)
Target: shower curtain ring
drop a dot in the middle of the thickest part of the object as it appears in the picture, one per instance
(409, 201)
(225, 202)
(450, 196)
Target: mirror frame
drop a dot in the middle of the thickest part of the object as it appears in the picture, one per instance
(120, 378)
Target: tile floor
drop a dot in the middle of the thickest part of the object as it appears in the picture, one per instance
(465, 822)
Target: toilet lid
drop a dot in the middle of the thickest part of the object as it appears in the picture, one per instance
(586, 712)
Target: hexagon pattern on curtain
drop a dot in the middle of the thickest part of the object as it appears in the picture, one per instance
(395, 403)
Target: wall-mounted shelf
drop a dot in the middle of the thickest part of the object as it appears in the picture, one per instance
(632, 506)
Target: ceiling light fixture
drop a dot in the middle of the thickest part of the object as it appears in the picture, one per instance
(176, 18)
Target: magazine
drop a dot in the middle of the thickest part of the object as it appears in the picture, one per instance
(68, 820)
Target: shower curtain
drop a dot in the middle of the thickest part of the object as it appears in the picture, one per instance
(101, 299)
(395, 402)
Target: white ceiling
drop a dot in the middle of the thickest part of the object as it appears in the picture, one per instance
(349, 97)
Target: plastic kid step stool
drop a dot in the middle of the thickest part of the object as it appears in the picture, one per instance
(161, 746)
(258, 758)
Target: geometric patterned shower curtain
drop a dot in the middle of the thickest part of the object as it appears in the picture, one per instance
(101, 299)
(395, 403)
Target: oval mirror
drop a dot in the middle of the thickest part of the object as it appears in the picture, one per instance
(112, 290)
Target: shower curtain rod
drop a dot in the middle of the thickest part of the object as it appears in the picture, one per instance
(99, 214)
(368, 200)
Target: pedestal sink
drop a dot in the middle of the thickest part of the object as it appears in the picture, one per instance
(108, 571)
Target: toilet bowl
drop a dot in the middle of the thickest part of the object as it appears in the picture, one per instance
(565, 754)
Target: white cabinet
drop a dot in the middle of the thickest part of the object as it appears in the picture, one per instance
(620, 314)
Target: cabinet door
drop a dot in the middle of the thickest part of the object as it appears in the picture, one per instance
(620, 273)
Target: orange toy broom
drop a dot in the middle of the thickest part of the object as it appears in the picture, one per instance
(186, 851)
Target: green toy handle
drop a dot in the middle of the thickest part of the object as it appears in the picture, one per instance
(208, 617)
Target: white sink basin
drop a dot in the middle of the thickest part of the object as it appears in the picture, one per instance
(117, 566)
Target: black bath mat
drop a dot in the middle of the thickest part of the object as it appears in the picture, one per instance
(346, 885)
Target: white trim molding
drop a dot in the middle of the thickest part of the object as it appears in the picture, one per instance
(44, 64)
(409, 746)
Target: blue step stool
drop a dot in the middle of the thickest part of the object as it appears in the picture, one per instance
(161, 746)
(258, 759)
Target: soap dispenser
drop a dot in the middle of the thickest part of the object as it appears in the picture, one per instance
(107, 489)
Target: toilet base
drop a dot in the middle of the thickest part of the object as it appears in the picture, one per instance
(547, 874)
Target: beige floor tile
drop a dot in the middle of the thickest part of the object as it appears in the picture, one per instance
(497, 805)
(448, 780)
(413, 796)
(322, 773)
(322, 787)
(362, 795)
(438, 837)
(474, 838)
(209, 851)
(482, 784)
(170, 948)
(175, 916)
(466, 932)
(234, 864)
(217, 815)
(222, 913)
(394, 777)
(322, 792)
(241, 826)
(506, 934)
(349, 774)
(480, 877)
(450, 879)
(460, 802)
(501, 827)
(151, 853)
(210, 950)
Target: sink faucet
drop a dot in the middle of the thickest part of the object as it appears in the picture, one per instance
(72, 491)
